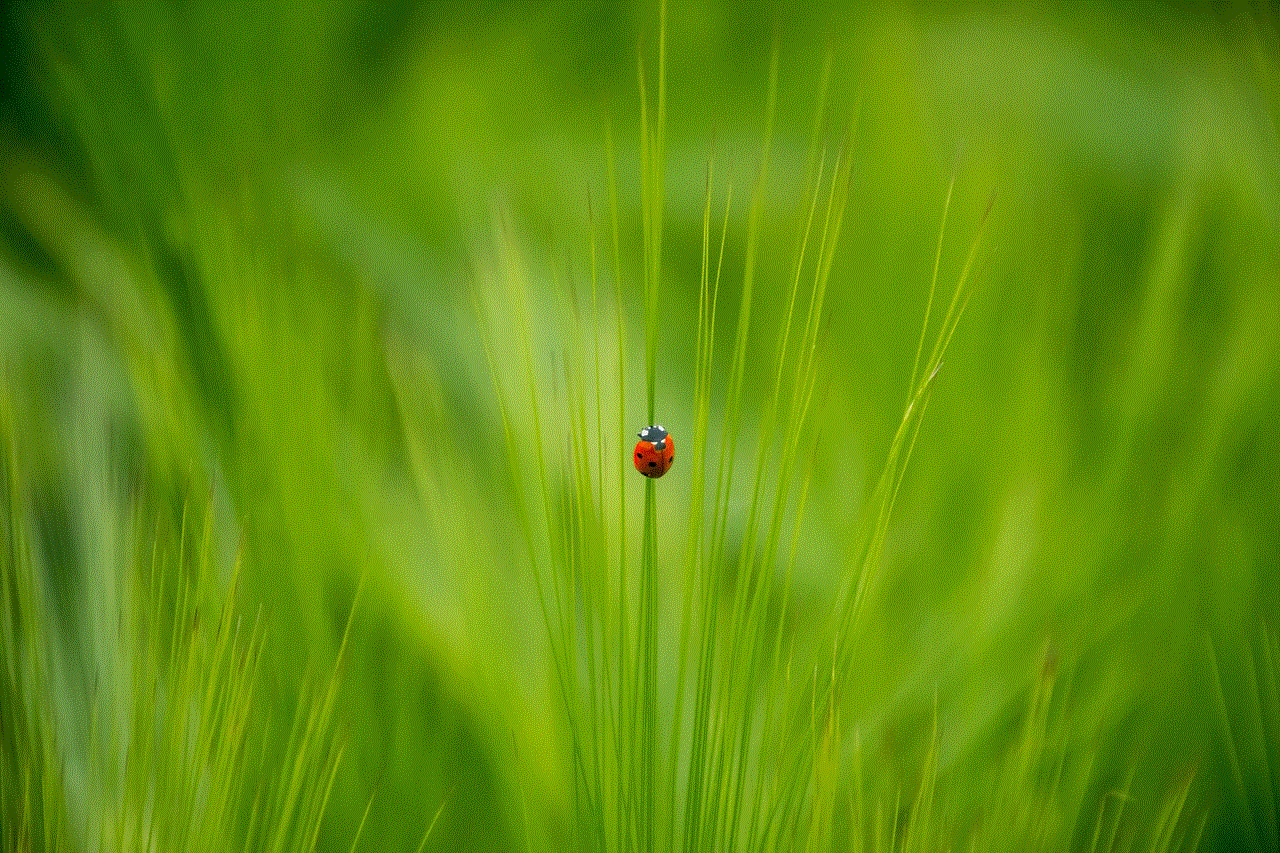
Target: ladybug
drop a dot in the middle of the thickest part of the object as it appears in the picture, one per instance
(655, 451)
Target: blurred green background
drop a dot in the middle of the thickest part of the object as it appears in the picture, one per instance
(242, 249)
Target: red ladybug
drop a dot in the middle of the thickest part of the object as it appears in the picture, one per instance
(655, 451)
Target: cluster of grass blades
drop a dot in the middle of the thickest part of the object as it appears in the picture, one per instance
(700, 714)
(134, 719)
(1249, 736)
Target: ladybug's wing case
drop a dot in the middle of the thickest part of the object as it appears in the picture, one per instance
(643, 453)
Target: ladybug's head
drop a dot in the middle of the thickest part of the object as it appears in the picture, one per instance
(657, 435)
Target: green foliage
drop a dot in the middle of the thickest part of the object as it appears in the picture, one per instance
(326, 332)
(149, 730)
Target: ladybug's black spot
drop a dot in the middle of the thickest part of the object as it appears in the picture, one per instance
(639, 454)
(653, 464)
